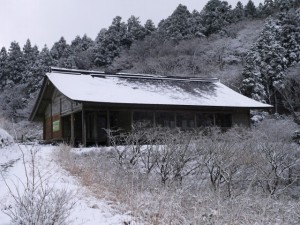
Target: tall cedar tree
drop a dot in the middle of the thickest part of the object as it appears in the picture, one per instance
(61, 53)
(111, 43)
(250, 9)
(15, 64)
(238, 12)
(135, 31)
(215, 15)
(177, 26)
(3, 67)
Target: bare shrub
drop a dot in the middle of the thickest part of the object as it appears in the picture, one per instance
(36, 201)
(241, 176)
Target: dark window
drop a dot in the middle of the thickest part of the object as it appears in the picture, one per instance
(205, 119)
(223, 120)
(143, 117)
(165, 119)
(185, 120)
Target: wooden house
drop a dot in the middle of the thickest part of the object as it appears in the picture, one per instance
(78, 106)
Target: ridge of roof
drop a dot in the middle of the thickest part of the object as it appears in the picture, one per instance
(102, 74)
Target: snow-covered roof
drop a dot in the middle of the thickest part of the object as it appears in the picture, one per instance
(148, 89)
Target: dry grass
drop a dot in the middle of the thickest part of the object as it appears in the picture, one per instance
(194, 200)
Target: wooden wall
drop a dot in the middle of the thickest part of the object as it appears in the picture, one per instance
(60, 105)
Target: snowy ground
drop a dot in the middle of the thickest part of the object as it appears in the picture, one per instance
(87, 211)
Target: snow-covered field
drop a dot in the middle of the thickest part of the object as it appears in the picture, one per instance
(88, 210)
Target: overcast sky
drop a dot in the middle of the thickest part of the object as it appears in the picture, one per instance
(45, 21)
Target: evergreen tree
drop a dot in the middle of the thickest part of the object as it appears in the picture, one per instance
(290, 36)
(101, 35)
(76, 44)
(82, 52)
(277, 48)
(250, 9)
(60, 49)
(79, 44)
(260, 11)
(149, 27)
(239, 12)
(45, 59)
(112, 42)
(176, 26)
(3, 67)
(135, 31)
(266, 61)
(15, 64)
(87, 42)
(196, 28)
(62, 54)
(285, 5)
(37, 70)
(215, 15)
(30, 53)
(269, 8)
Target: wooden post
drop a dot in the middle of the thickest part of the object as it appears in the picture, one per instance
(51, 121)
(214, 119)
(72, 141)
(83, 120)
(107, 127)
(131, 119)
(95, 127)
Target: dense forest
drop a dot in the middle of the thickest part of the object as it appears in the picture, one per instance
(253, 49)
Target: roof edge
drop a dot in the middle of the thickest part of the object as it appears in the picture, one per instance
(39, 99)
(102, 74)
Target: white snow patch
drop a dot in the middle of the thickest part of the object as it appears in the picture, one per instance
(88, 210)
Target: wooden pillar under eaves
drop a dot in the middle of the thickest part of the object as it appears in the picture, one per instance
(83, 121)
(107, 127)
(72, 141)
(95, 127)
(51, 121)
(131, 120)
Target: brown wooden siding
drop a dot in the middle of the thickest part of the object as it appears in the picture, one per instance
(48, 129)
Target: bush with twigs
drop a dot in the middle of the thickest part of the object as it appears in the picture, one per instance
(36, 201)
(206, 176)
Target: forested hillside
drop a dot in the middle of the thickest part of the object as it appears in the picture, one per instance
(253, 49)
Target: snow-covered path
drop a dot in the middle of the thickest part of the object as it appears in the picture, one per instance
(87, 211)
